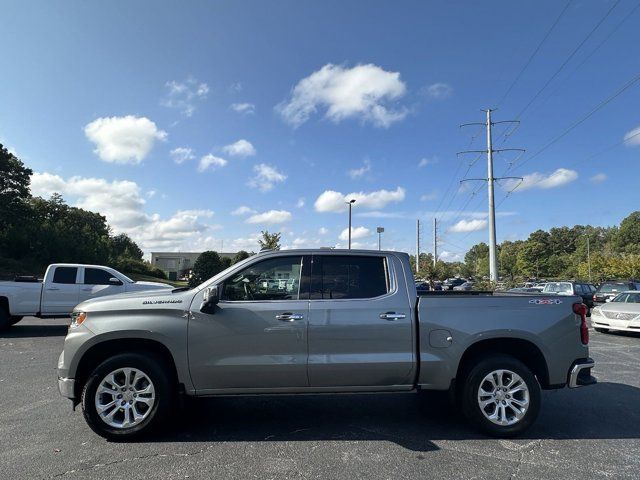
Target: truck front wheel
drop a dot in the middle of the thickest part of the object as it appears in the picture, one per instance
(500, 395)
(127, 396)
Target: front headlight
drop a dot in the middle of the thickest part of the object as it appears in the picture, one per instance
(77, 318)
(596, 312)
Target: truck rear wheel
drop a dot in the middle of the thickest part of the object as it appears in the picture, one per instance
(5, 319)
(127, 396)
(500, 395)
(14, 319)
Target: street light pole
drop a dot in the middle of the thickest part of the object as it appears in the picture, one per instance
(350, 203)
(379, 230)
(589, 257)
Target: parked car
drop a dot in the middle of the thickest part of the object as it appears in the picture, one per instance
(422, 287)
(581, 289)
(621, 313)
(63, 287)
(608, 290)
(465, 287)
(450, 283)
(524, 290)
(356, 324)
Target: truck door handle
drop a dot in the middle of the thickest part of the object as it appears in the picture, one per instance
(289, 317)
(392, 316)
(53, 288)
(86, 289)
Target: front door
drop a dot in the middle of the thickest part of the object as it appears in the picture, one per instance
(60, 294)
(257, 336)
(360, 323)
(96, 284)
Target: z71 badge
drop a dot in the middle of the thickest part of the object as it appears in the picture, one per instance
(546, 301)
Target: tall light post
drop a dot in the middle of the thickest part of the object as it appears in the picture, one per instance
(350, 203)
(588, 256)
(380, 230)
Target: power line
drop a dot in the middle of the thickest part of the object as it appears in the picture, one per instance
(526, 65)
(567, 60)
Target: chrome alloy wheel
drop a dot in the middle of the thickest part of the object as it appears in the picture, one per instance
(503, 397)
(124, 398)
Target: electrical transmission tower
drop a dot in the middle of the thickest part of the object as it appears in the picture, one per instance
(435, 242)
(493, 258)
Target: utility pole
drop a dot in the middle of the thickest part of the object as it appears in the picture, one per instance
(435, 241)
(417, 246)
(379, 230)
(350, 203)
(493, 256)
(589, 257)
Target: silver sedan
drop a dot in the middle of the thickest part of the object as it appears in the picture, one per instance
(621, 313)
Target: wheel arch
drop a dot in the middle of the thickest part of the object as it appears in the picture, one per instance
(524, 350)
(101, 351)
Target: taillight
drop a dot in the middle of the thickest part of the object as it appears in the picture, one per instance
(594, 297)
(581, 309)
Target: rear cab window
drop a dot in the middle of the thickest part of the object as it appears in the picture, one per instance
(342, 277)
(65, 275)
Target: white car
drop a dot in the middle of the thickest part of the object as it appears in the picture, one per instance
(621, 313)
(64, 286)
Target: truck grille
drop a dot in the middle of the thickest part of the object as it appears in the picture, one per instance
(620, 315)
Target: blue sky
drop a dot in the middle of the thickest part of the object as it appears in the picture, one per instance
(168, 117)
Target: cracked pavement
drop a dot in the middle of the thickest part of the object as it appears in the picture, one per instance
(591, 432)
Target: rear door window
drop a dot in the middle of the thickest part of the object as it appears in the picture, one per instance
(348, 277)
(66, 275)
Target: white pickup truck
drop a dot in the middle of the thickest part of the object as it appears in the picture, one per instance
(64, 286)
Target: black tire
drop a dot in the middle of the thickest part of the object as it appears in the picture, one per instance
(5, 319)
(14, 319)
(165, 392)
(601, 330)
(470, 384)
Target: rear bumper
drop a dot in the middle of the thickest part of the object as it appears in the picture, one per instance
(67, 387)
(580, 373)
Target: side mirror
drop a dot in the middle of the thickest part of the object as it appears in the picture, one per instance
(114, 281)
(210, 299)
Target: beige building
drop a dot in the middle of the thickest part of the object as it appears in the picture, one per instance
(178, 265)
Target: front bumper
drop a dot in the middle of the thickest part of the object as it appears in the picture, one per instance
(67, 387)
(580, 373)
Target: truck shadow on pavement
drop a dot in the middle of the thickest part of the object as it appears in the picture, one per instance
(602, 411)
(34, 331)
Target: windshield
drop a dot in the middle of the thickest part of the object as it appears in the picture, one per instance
(613, 287)
(558, 287)
(126, 279)
(627, 298)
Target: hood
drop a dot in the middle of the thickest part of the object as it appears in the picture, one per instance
(153, 285)
(619, 307)
(142, 300)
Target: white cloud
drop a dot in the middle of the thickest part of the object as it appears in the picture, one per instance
(356, 233)
(437, 91)
(632, 137)
(270, 217)
(300, 202)
(427, 161)
(242, 148)
(243, 210)
(151, 193)
(598, 178)
(182, 154)
(447, 256)
(332, 201)
(123, 140)
(560, 177)
(183, 96)
(468, 226)
(211, 162)
(243, 108)
(266, 177)
(364, 91)
(323, 231)
(428, 196)
(359, 172)
(122, 203)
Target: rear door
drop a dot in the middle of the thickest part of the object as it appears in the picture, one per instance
(60, 292)
(95, 283)
(360, 323)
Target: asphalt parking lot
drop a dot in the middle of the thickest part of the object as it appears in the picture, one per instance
(590, 432)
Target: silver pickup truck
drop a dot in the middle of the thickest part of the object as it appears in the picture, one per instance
(318, 321)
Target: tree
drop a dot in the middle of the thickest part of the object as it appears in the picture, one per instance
(206, 266)
(241, 255)
(14, 189)
(226, 262)
(477, 260)
(269, 240)
(628, 237)
(508, 258)
(123, 246)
